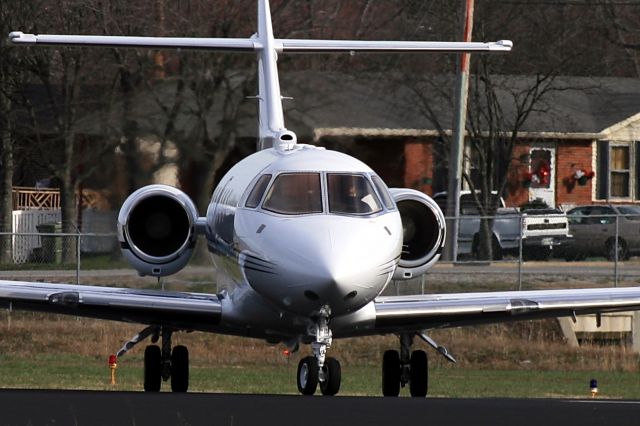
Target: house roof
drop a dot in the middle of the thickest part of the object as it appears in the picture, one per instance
(577, 107)
(379, 104)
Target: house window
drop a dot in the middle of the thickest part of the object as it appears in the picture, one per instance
(620, 169)
(618, 164)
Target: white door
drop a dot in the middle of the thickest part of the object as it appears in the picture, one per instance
(542, 166)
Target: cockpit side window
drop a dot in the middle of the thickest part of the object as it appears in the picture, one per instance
(383, 191)
(295, 193)
(258, 191)
(351, 194)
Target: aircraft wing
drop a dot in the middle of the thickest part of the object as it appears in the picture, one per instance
(190, 311)
(415, 313)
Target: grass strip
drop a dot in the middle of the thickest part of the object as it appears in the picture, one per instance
(82, 372)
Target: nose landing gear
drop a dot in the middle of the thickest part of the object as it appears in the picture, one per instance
(320, 369)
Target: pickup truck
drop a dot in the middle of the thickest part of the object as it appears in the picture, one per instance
(541, 229)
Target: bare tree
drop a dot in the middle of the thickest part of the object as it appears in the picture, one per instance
(498, 109)
(12, 82)
(65, 75)
(622, 28)
(7, 67)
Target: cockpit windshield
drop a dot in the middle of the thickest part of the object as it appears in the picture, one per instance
(351, 194)
(295, 193)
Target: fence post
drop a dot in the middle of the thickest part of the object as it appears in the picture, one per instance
(520, 256)
(78, 258)
(615, 260)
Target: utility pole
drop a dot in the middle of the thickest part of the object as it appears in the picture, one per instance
(457, 144)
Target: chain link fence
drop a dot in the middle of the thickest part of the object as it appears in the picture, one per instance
(51, 249)
(601, 252)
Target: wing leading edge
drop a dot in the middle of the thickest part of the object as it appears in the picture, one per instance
(188, 311)
(415, 313)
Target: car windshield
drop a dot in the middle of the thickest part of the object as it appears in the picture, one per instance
(351, 194)
(295, 193)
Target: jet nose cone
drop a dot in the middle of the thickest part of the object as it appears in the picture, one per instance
(334, 261)
(344, 266)
(333, 274)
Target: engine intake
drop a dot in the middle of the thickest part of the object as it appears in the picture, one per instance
(424, 231)
(157, 230)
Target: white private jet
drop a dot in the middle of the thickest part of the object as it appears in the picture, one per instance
(304, 241)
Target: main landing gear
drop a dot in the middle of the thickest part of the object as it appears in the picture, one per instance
(319, 369)
(162, 363)
(406, 367)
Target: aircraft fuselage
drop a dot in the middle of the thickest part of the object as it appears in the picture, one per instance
(283, 233)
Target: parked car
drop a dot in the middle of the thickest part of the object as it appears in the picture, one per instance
(594, 231)
(541, 229)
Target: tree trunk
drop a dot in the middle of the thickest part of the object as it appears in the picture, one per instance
(68, 202)
(6, 165)
(486, 249)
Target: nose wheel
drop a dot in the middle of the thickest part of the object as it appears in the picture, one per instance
(309, 376)
(319, 369)
(332, 377)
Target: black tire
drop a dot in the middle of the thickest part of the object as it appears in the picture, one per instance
(496, 249)
(538, 253)
(574, 256)
(475, 248)
(180, 369)
(419, 378)
(391, 373)
(333, 374)
(622, 250)
(307, 377)
(152, 368)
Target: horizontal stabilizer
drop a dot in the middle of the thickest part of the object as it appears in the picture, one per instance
(253, 44)
(231, 44)
(323, 46)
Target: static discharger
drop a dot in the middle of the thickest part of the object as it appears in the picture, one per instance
(593, 384)
(113, 364)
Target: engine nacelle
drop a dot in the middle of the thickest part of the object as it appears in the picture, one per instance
(157, 230)
(424, 229)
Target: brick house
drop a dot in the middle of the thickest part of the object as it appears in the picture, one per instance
(593, 129)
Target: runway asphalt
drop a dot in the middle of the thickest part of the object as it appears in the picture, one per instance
(42, 407)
